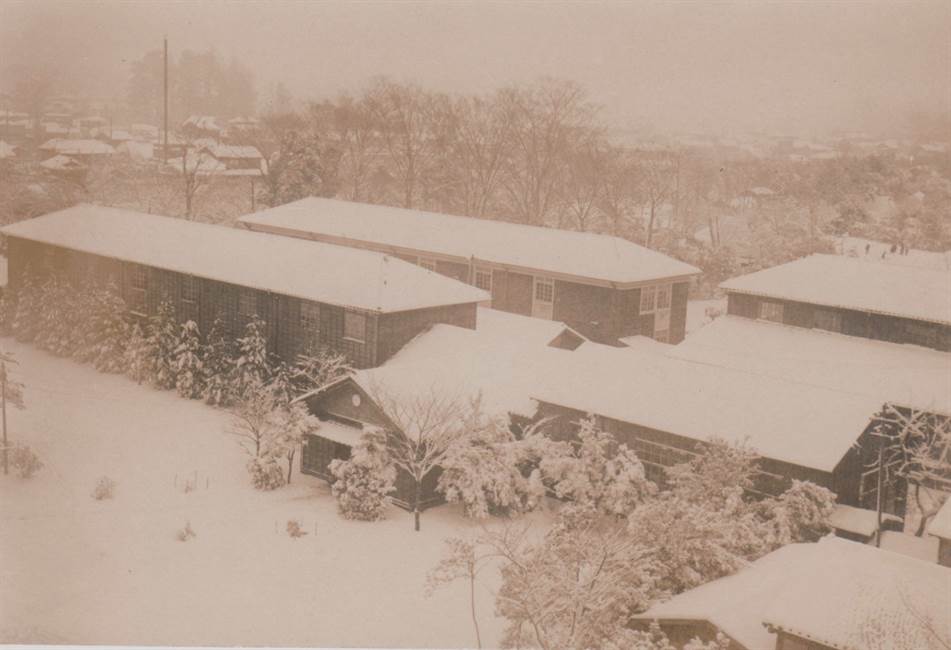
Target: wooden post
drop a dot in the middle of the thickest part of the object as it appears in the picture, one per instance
(879, 502)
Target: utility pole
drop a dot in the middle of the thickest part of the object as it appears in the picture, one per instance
(879, 501)
(3, 407)
(165, 97)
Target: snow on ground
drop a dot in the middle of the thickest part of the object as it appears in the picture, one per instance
(697, 312)
(75, 570)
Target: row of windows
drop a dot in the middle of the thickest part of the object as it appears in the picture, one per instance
(354, 325)
(655, 298)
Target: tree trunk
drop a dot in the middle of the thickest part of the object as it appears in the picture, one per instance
(416, 495)
(290, 464)
(475, 621)
(650, 225)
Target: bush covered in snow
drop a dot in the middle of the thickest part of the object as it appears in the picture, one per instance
(25, 461)
(266, 472)
(188, 363)
(362, 482)
(294, 529)
(105, 489)
(186, 533)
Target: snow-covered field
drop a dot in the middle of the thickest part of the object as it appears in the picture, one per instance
(77, 570)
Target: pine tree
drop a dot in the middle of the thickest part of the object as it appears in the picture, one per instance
(162, 342)
(26, 315)
(137, 354)
(252, 365)
(108, 330)
(189, 371)
(362, 482)
(218, 366)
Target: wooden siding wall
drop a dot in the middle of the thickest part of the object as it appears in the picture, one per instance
(854, 323)
(281, 314)
(512, 292)
(659, 449)
(398, 328)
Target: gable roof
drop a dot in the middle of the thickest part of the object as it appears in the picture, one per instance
(902, 374)
(698, 401)
(853, 283)
(840, 593)
(315, 271)
(597, 258)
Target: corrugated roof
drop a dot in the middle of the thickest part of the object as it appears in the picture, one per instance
(905, 375)
(310, 270)
(840, 593)
(583, 255)
(855, 283)
(698, 400)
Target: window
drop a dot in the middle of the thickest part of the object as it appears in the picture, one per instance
(138, 285)
(663, 297)
(647, 299)
(483, 278)
(772, 311)
(190, 292)
(309, 317)
(247, 303)
(831, 321)
(354, 326)
(427, 263)
(544, 298)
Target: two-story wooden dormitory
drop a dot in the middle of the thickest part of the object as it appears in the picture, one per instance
(364, 304)
(498, 363)
(853, 296)
(665, 408)
(604, 287)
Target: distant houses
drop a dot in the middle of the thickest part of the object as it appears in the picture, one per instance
(606, 288)
(84, 151)
(365, 305)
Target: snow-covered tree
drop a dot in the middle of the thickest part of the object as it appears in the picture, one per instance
(318, 368)
(252, 365)
(289, 423)
(104, 331)
(26, 314)
(162, 340)
(253, 424)
(218, 360)
(800, 514)
(595, 471)
(137, 354)
(13, 395)
(721, 472)
(463, 560)
(362, 482)
(423, 429)
(189, 370)
(655, 639)
(490, 472)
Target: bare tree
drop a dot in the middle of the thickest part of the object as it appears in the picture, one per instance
(197, 169)
(352, 130)
(655, 184)
(586, 178)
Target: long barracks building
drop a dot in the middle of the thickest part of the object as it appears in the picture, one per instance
(605, 288)
(361, 303)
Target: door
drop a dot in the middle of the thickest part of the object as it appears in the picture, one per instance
(543, 298)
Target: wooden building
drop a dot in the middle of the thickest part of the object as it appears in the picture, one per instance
(853, 296)
(498, 363)
(666, 409)
(606, 288)
(829, 595)
(363, 304)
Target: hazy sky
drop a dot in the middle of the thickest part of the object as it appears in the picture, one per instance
(688, 65)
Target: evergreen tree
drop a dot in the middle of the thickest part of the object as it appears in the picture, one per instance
(107, 330)
(252, 365)
(26, 314)
(189, 371)
(162, 343)
(137, 354)
(218, 366)
(362, 482)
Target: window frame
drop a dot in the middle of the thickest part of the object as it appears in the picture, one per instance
(138, 271)
(485, 271)
(663, 290)
(541, 281)
(309, 322)
(648, 290)
(765, 306)
(836, 320)
(348, 319)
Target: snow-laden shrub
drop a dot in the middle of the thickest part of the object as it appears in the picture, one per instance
(252, 365)
(294, 529)
(105, 489)
(596, 472)
(800, 514)
(136, 354)
(26, 314)
(218, 359)
(266, 472)
(489, 473)
(25, 461)
(362, 482)
(189, 362)
(186, 533)
(162, 342)
(104, 331)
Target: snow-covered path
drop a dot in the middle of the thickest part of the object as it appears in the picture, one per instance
(76, 570)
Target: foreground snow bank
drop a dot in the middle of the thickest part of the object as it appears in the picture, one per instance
(77, 570)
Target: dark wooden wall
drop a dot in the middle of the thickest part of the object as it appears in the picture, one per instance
(399, 328)
(853, 322)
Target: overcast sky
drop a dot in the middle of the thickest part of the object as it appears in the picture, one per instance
(692, 65)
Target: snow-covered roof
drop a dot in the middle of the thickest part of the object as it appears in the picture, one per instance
(204, 122)
(940, 526)
(598, 258)
(507, 327)
(235, 151)
(921, 548)
(78, 147)
(849, 595)
(458, 363)
(315, 271)
(60, 162)
(854, 283)
(880, 252)
(345, 435)
(840, 593)
(906, 375)
(699, 400)
(857, 520)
